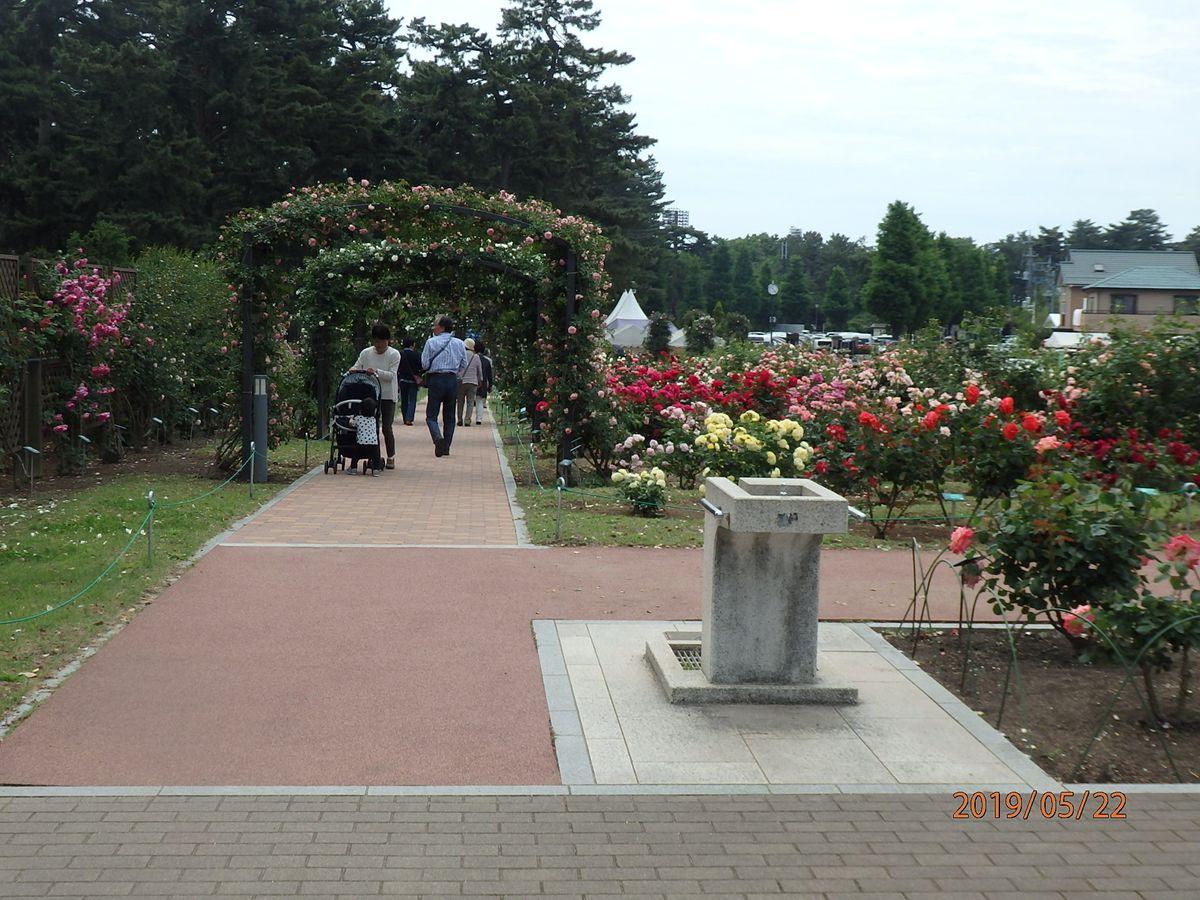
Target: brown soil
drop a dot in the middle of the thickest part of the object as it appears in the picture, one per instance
(1054, 705)
(196, 458)
(169, 459)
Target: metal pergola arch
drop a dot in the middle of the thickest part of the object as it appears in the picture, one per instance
(251, 239)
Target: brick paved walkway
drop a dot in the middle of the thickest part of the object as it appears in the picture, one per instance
(425, 501)
(660, 846)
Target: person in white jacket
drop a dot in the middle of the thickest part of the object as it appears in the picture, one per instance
(382, 360)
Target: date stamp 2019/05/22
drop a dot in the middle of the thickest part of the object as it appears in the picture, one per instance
(1046, 804)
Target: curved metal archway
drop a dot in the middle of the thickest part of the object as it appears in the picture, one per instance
(251, 240)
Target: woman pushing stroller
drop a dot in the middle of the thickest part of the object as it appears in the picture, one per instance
(382, 360)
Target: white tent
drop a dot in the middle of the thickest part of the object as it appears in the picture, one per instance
(628, 335)
(627, 312)
(627, 324)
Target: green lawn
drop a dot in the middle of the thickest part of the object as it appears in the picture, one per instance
(593, 512)
(69, 543)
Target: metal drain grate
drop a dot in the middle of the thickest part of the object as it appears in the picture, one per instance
(688, 657)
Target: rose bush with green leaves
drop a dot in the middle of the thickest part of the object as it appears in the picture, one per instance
(1060, 543)
(1152, 630)
(646, 491)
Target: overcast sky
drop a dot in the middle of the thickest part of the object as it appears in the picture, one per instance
(987, 117)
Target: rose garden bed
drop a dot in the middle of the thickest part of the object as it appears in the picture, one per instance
(1081, 722)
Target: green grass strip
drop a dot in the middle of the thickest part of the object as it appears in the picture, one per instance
(137, 533)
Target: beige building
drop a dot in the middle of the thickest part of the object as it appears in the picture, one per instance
(1136, 286)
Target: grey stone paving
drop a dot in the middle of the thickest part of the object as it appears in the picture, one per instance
(614, 726)
(567, 846)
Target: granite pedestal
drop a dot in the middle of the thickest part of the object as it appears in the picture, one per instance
(762, 544)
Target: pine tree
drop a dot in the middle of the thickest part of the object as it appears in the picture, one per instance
(165, 116)
(719, 286)
(527, 112)
(1140, 230)
(1191, 242)
(1085, 235)
(745, 298)
(1050, 244)
(795, 294)
(35, 184)
(839, 303)
(908, 276)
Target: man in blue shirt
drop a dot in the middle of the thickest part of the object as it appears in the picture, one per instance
(441, 358)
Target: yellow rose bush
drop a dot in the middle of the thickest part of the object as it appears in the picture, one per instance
(752, 446)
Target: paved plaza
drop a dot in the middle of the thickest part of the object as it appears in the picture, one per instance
(377, 686)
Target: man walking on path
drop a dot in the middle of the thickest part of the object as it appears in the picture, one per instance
(441, 358)
(409, 374)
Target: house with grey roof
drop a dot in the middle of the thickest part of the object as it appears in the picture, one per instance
(1133, 285)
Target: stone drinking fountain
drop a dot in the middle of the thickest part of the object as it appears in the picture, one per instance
(758, 644)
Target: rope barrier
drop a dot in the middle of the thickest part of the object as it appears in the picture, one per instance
(29, 618)
(610, 499)
(147, 528)
(174, 504)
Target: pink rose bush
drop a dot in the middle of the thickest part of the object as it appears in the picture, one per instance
(83, 325)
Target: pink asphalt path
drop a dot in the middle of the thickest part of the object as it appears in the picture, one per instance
(384, 665)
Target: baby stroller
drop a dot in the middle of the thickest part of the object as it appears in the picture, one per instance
(358, 394)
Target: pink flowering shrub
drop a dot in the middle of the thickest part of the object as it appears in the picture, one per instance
(81, 328)
(1157, 631)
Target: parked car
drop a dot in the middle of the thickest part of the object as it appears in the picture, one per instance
(1073, 340)
(1006, 344)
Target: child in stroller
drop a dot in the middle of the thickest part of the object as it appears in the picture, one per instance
(355, 433)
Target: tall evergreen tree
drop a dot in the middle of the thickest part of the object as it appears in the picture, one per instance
(809, 248)
(164, 116)
(1191, 242)
(1008, 277)
(36, 185)
(1140, 230)
(907, 273)
(768, 304)
(719, 286)
(1085, 235)
(839, 304)
(851, 255)
(970, 286)
(745, 298)
(528, 112)
(795, 294)
(1050, 244)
